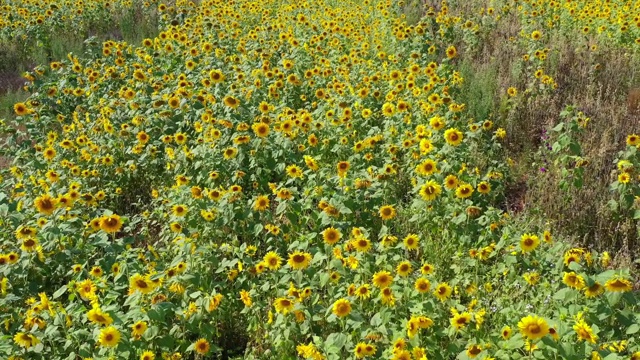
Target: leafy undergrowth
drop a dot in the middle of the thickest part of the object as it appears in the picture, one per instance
(278, 179)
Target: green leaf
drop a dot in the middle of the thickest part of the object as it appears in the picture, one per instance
(633, 329)
(59, 293)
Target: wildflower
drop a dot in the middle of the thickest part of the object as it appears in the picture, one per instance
(283, 305)
(331, 236)
(299, 260)
(382, 279)
(584, 332)
(109, 337)
(529, 242)
(533, 327)
(618, 284)
(387, 212)
(442, 291)
(201, 346)
(341, 308)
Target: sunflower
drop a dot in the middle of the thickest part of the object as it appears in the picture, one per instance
(174, 102)
(148, 355)
(388, 109)
(506, 332)
(341, 308)
(536, 35)
(299, 260)
(404, 268)
(140, 283)
(25, 232)
(331, 236)
(453, 137)
(261, 203)
(201, 346)
(442, 291)
(427, 167)
(451, 52)
(411, 241)
(618, 284)
(175, 227)
(49, 153)
(451, 182)
(459, 321)
(427, 269)
(25, 340)
(361, 244)
(272, 260)
(179, 210)
(230, 153)
(86, 289)
(382, 279)
(573, 280)
(111, 223)
(633, 140)
(430, 190)
(109, 337)
(388, 240)
(343, 167)
(283, 305)
(529, 242)
(139, 328)
(97, 271)
(484, 187)
(231, 102)
(216, 76)
(21, 109)
(593, 290)
(260, 129)
(359, 351)
(464, 191)
(533, 327)
(387, 212)
(97, 316)
(29, 244)
(284, 194)
(363, 291)
(422, 285)
(585, 332)
(294, 171)
(45, 204)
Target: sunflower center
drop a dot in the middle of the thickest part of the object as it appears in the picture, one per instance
(534, 329)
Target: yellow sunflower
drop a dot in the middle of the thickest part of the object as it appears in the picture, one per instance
(272, 260)
(201, 346)
(464, 191)
(299, 260)
(283, 305)
(341, 308)
(45, 204)
(387, 212)
(109, 337)
(453, 137)
(25, 340)
(442, 291)
(331, 236)
(430, 190)
(111, 223)
(533, 327)
(261, 203)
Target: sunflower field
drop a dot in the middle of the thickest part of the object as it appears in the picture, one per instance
(284, 179)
